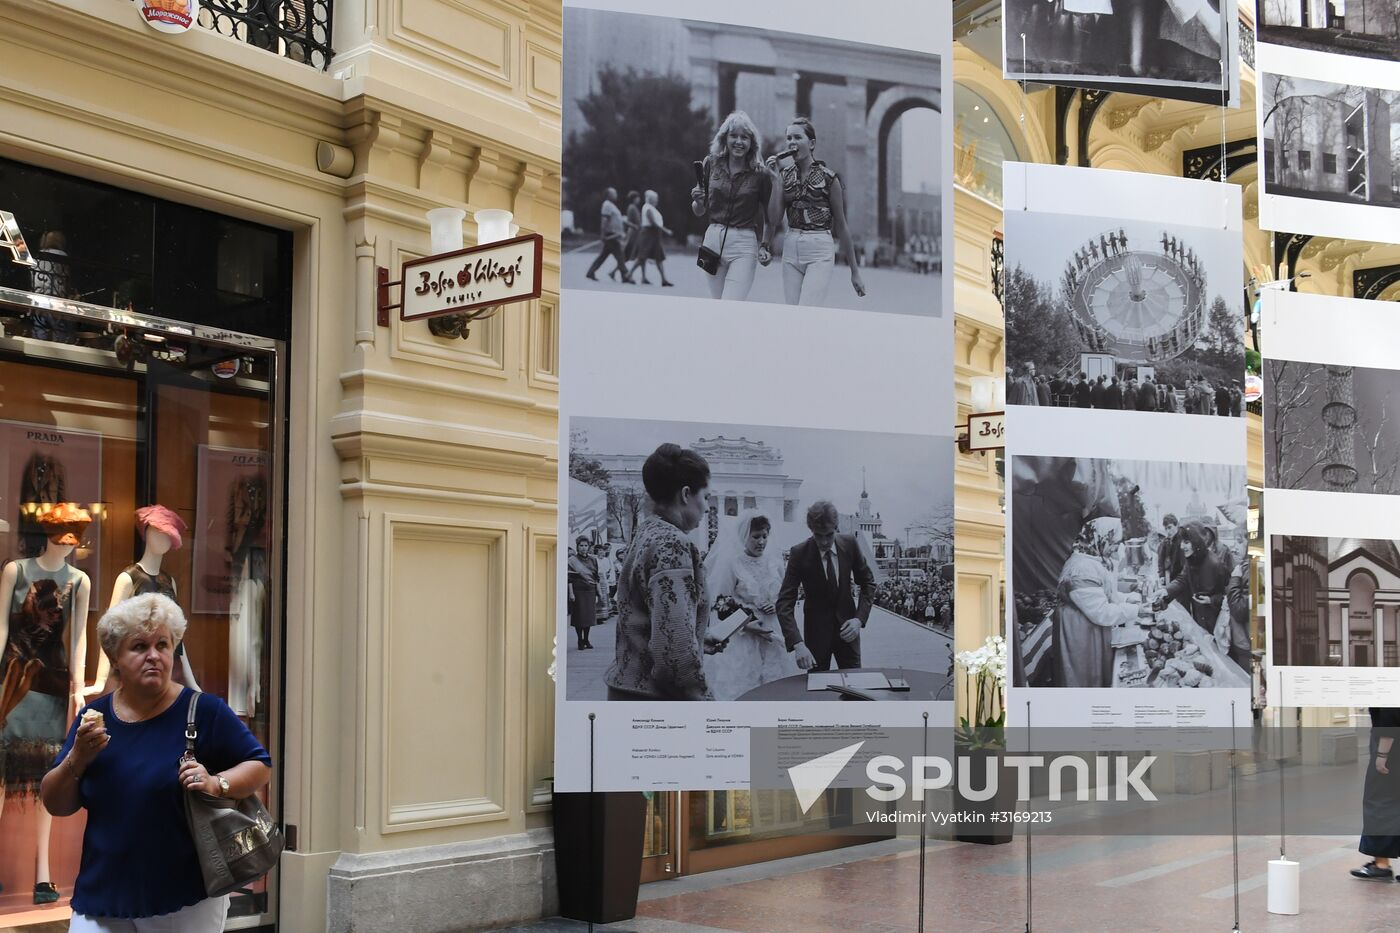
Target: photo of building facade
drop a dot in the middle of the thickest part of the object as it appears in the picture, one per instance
(1367, 28)
(1335, 602)
(1335, 142)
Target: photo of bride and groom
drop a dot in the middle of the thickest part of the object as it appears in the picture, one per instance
(747, 578)
(739, 595)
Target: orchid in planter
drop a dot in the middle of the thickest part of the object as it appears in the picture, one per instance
(985, 669)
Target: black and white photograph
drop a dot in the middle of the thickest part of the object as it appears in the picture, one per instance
(1331, 427)
(1129, 573)
(1361, 28)
(738, 562)
(1331, 142)
(1123, 315)
(1158, 46)
(1336, 601)
(714, 160)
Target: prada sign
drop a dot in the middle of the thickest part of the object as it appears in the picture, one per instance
(12, 240)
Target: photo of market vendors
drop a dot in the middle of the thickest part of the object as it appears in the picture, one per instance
(1128, 573)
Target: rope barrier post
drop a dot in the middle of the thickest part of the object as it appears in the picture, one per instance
(923, 836)
(592, 797)
(1028, 831)
(1235, 814)
(1284, 874)
(1282, 785)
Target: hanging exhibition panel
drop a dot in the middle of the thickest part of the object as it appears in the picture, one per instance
(1126, 517)
(1332, 500)
(1329, 127)
(1181, 49)
(755, 383)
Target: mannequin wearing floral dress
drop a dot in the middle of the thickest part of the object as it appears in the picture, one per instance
(742, 568)
(43, 634)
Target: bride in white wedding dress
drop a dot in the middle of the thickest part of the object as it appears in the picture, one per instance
(740, 568)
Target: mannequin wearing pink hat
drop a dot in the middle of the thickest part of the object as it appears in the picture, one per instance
(162, 531)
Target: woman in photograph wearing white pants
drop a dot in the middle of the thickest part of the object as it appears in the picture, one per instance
(739, 197)
(815, 207)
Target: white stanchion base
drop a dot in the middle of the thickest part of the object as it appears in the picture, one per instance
(1283, 886)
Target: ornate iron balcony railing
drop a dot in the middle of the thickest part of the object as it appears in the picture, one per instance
(296, 29)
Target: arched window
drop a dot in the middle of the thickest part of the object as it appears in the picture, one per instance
(981, 142)
(1361, 620)
(1309, 627)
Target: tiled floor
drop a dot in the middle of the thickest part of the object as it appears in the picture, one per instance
(1081, 885)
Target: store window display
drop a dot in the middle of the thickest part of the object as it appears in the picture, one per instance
(167, 428)
(161, 531)
(44, 664)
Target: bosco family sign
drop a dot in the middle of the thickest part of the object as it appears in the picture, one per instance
(471, 278)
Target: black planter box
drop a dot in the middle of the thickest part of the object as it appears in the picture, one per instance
(986, 831)
(598, 854)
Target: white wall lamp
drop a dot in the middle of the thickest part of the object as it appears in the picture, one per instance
(986, 424)
(458, 284)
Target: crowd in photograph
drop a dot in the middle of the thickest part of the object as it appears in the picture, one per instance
(928, 601)
(1194, 396)
(922, 253)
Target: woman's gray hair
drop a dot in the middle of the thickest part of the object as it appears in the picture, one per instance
(139, 615)
(738, 120)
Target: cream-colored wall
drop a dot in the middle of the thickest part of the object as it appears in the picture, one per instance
(422, 471)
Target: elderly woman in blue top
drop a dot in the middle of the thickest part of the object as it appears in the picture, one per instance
(122, 762)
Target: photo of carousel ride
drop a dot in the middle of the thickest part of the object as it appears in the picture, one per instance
(1141, 306)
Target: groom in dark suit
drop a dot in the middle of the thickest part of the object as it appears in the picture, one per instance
(823, 567)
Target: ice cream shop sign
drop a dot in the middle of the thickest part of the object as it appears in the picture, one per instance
(174, 16)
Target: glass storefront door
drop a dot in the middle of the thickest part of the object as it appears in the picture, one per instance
(698, 831)
(111, 411)
(660, 854)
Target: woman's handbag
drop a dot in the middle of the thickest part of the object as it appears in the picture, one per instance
(708, 260)
(237, 841)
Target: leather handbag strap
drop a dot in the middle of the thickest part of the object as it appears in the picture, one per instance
(191, 733)
(729, 215)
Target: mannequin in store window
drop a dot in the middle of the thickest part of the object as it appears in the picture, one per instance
(162, 531)
(245, 628)
(44, 632)
(245, 531)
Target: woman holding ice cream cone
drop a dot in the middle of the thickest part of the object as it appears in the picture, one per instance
(124, 763)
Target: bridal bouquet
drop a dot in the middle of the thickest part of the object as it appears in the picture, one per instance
(985, 669)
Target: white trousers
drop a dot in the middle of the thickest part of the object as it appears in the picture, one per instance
(205, 917)
(809, 256)
(738, 261)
